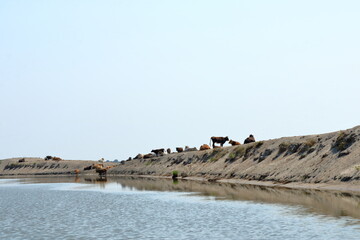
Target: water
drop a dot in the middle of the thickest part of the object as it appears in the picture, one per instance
(128, 208)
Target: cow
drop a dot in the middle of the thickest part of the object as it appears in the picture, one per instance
(204, 147)
(48, 158)
(188, 149)
(249, 139)
(76, 171)
(149, 155)
(88, 168)
(96, 166)
(21, 160)
(168, 151)
(56, 159)
(233, 143)
(100, 169)
(139, 156)
(220, 140)
(179, 149)
(158, 152)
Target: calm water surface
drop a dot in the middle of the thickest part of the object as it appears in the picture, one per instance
(130, 208)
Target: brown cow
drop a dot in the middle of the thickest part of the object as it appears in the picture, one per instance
(179, 149)
(56, 159)
(220, 140)
(100, 169)
(204, 147)
(158, 152)
(96, 166)
(249, 139)
(233, 143)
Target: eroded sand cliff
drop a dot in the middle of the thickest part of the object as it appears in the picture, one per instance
(326, 158)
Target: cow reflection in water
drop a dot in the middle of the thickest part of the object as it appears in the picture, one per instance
(101, 181)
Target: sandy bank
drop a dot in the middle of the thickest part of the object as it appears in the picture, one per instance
(39, 166)
(331, 159)
(324, 161)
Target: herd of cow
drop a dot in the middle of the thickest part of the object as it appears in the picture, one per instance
(218, 140)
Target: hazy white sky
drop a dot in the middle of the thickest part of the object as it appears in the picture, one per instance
(91, 79)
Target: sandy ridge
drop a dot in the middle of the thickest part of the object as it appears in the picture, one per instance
(332, 158)
(326, 161)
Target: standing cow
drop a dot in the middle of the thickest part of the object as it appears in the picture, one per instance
(158, 152)
(179, 149)
(220, 140)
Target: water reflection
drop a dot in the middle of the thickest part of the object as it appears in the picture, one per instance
(332, 203)
(320, 202)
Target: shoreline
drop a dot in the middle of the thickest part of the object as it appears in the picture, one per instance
(334, 187)
(294, 185)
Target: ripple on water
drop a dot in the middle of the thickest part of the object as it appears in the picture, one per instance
(85, 211)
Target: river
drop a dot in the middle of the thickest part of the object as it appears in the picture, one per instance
(149, 208)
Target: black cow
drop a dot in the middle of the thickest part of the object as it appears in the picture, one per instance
(249, 139)
(179, 149)
(220, 140)
(158, 152)
(88, 168)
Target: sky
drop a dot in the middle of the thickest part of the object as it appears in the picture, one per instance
(88, 79)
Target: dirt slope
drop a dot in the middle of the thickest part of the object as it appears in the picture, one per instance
(326, 158)
(38, 166)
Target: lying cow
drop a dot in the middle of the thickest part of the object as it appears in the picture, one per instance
(220, 140)
(149, 155)
(233, 143)
(158, 152)
(188, 149)
(204, 147)
(249, 139)
(98, 165)
(88, 168)
(139, 156)
(56, 159)
(179, 149)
